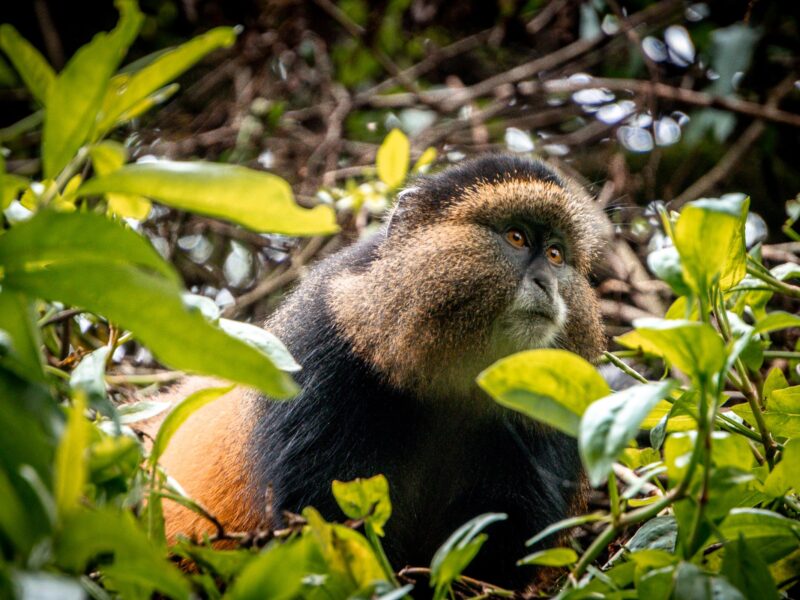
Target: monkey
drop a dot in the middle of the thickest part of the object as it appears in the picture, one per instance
(488, 257)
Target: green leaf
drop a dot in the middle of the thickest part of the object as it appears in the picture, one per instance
(777, 320)
(134, 88)
(425, 160)
(263, 340)
(459, 550)
(107, 157)
(47, 586)
(552, 557)
(659, 533)
(278, 571)
(70, 467)
(767, 533)
(745, 569)
(350, 560)
(727, 450)
(179, 414)
(89, 375)
(366, 499)
(86, 535)
(709, 236)
(393, 158)
(691, 582)
(18, 321)
(76, 95)
(782, 415)
(551, 386)
(32, 67)
(786, 474)
(82, 237)
(260, 201)
(611, 422)
(116, 273)
(695, 348)
(10, 187)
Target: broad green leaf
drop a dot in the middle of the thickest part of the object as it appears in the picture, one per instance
(552, 386)
(10, 187)
(18, 321)
(694, 347)
(636, 458)
(709, 236)
(775, 380)
(655, 584)
(152, 309)
(552, 557)
(76, 95)
(180, 413)
(393, 158)
(727, 450)
(136, 87)
(117, 274)
(659, 533)
(675, 420)
(564, 524)
(107, 157)
(277, 572)
(744, 568)
(12, 513)
(782, 415)
(260, 201)
(777, 320)
(89, 375)
(771, 535)
(263, 340)
(459, 550)
(70, 467)
(366, 499)
(691, 582)
(86, 535)
(82, 237)
(35, 71)
(347, 554)
(611, 422)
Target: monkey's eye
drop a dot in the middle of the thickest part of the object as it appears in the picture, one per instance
(516, 238)
(555, 255)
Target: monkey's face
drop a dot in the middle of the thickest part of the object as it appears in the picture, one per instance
(470, 274)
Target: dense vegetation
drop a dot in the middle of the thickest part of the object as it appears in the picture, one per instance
(93, 279)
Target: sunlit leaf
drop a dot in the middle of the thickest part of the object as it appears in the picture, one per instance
(552, 386)
(694, 347)
(767, 533)
(709, 236)
(366, 499)
(611, 422)
(277, 572)
(107, 157)
(393, 158)
(86, 535)
(89, 375)
(122, 99)
(35, 71)
(70, 467)
(665, 263)
(76, 95)
(777, 320)
(262, 339)
(424, 161)
(552, 557)
(117, 274)
(786, 474)
(260, 201)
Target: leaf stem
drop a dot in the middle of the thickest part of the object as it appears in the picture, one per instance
(622, 366)
(774, 283)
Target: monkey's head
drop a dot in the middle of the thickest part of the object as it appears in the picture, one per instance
(482, 260)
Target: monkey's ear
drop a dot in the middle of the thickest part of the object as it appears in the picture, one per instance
(401, 203)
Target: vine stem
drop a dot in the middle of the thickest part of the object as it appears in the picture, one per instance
(776, 284)
(375, 541)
